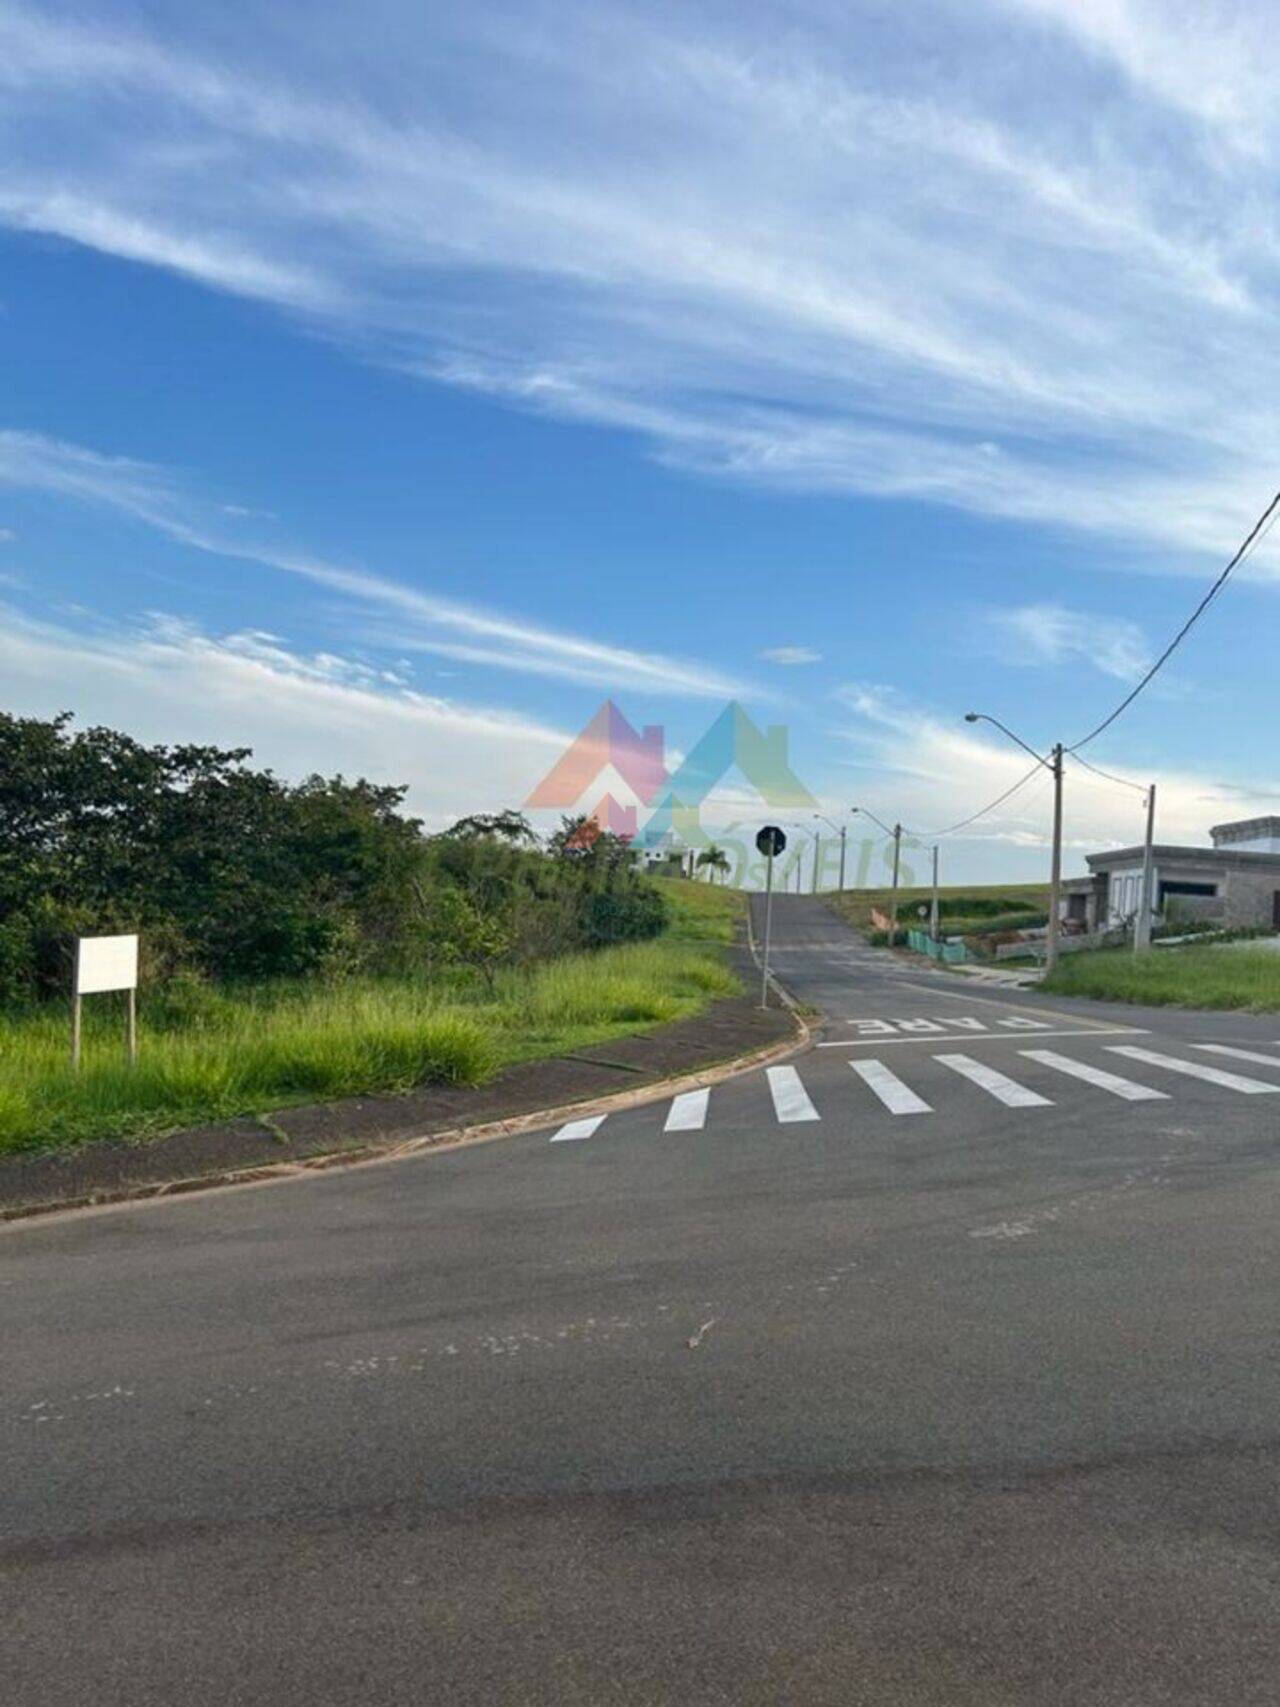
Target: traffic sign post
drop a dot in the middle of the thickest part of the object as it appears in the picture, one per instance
(770, 842)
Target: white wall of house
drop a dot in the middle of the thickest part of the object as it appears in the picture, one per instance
(1124, 890)
(1256, 844)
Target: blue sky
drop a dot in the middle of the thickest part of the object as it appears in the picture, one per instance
(384, 389)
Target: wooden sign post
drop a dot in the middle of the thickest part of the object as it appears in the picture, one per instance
(105, 963)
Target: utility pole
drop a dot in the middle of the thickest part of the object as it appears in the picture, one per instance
(844, 830)
(897, 865)
(817, 852)
(934, 909)
(1142, 924)
(1054, 764)
(1055, 876)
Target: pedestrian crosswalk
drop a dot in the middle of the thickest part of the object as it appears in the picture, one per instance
(688, 1112)
(790, 1099)
(1196, 1070)
(897, 1097)
(999, 1085)
(888, 1089)
(1098, 1076)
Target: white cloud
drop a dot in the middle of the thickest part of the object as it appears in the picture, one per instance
(1051, 634)
(422, 621)
(791, 655)
(6, 534)
(166, 680)
(1209, 59)
(938, 771)
(814, 257)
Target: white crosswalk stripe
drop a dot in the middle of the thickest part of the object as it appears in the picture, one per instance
(998, 1085)
(896, 1097)
(1194, 1070)
(790, 1099)
(1098, 1076)
(688, 1112)
(1241, 1054)
(577, 1129)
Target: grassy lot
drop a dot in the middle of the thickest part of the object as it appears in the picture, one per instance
(209, 1053)
(1247, 978)
(699, 911)
(965, 908)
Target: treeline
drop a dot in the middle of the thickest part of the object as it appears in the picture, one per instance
(231, 873)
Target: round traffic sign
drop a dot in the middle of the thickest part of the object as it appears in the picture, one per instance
(771, 840)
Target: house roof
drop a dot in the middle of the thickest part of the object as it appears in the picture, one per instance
(1244, 830)
(1165, 855)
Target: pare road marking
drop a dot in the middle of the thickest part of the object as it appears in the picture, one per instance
(878, 1040)
(943, 1027)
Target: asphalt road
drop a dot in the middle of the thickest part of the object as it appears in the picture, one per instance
(886, 1380)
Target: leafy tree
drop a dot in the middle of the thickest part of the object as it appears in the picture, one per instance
(510, 826)
(229, 872)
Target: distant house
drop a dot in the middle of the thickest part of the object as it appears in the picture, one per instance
(1234, 883)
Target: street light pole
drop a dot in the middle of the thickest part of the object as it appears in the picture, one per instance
(817, 850)
(1142, 926)
(842, 831)
(934, 908)
(896, 833)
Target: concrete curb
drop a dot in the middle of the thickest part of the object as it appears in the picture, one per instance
(449, 1138)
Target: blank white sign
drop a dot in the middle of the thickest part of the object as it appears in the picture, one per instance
(106, 963)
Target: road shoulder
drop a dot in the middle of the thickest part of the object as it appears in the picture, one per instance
(730, 1036)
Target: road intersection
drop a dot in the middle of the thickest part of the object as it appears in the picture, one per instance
(935, 1366)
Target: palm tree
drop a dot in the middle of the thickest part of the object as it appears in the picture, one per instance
(714, 859)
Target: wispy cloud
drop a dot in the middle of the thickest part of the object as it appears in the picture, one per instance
(407, 617)
(816, 257)
(299, 711)
(937, 771)
(791, 655)
(1052, 634)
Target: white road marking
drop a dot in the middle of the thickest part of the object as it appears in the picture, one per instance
(1194, 1070)
(896, 1097)
(988, 1037)
(790, 1099)
(688, 1112)
(1240, 1054)
(578, 1129)
(1105, 1081)
(1002, 1088)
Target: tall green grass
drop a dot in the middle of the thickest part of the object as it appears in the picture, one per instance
(1242, 978)
(698, 911)
(208, 1054)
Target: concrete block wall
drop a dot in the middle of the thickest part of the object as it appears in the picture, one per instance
(1250, 898)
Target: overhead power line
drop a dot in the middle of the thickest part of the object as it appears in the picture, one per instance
(1255, 533)
(937, 835)
(1120, 781)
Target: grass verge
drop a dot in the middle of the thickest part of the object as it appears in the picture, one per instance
(1243, 978)
(210, 1054)
(975, 906)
